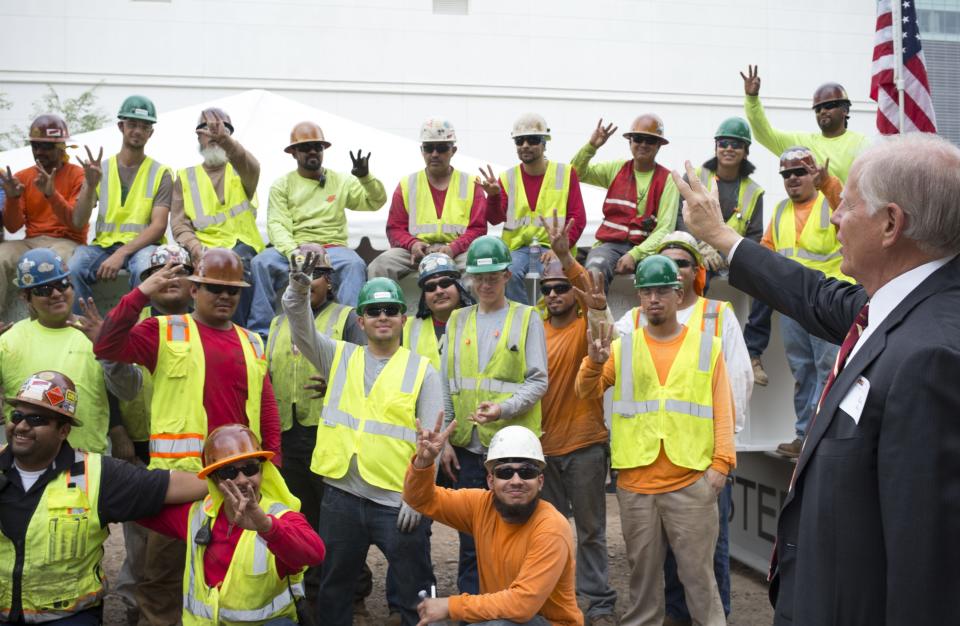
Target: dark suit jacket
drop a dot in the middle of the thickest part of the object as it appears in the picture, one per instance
(870, 532)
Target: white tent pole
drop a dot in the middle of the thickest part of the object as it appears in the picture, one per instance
(898, 57)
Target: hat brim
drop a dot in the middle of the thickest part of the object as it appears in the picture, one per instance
(214, 281)
(14, 402)
(266, 455)
(663, 140)
(45, 282)
(326, 144)
(487, 269)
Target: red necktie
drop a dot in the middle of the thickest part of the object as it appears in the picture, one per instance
(853, 336)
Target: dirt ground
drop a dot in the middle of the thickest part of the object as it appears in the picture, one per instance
(750, 604)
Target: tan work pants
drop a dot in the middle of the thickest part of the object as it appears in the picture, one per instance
(11, 251)
(395, 264)
(160, 593)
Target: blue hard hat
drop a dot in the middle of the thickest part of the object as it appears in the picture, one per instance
(39, 267)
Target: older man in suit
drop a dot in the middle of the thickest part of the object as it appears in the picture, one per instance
(868, 531)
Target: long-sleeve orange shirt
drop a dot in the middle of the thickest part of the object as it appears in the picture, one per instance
(662, 475)
(52, 217)
(801, 211)
(525, 569)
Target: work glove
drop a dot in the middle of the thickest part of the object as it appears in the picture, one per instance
(408, 519)
(712, 259)
(361, 164)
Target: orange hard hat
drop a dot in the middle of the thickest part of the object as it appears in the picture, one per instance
(647, 124)
(306, 132)
(215, 113)
(220, 266)
(228, 444)
(49, 390)
(49, 128)
(830, 92)
(796, 157)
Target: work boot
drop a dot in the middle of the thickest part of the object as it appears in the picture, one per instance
(759, 376)
(791, 449)
(672, 621)
(361, 616)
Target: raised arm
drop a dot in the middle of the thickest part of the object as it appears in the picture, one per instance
(314, 345)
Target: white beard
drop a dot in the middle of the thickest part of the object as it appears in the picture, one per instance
(213, 156)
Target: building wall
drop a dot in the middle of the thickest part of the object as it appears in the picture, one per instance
(940, 28)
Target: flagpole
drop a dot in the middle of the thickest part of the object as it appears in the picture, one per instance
(897, 10)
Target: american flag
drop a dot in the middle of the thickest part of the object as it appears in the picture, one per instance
(917, 104)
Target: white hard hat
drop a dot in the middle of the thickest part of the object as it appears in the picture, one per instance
(530, 124)
(437, 129)
(515, 442)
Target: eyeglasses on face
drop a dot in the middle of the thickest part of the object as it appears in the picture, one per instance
(735, 144)
(34, 421)
(649, 140)
(137, 124)
(683, 263)
(798, 172)
(829, 106)
(526, 472)
(440, 147)
(321, 273)
(231, 290)
(530, 140)
(390, 310)
(559, 288)
(45, 291)
(488, 278)
(443, 283)
(310, 146)
(230, 472)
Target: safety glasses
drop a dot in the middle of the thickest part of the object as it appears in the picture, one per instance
(530, 140)
(442, 148)
(231, 290)
(390, 310)
(526, 472)
(33, 421)
(310, 146)
(649, 140)
(443, 283)
(798, 172)
(735, 144)
(45, 291)
(829, 106)
(321, 273)
(682, 263)
(230, 472)
(559, 288)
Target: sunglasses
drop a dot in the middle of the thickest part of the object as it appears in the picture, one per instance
(45, 291)
(649, 140)
(230, 472)
(312, 146)
(526, 472)
(33, 421)
(43, 145)
(683, 263)
(829, 106)
(736, 144)
(558, 288)
(798, 172)
(321, 273)
(429, 148)
(443, 283)
(185, 270)
(390, 310)
(231, 290)
(530, 140)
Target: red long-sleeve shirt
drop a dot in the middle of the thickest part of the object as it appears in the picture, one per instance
(497, 212)
(47, 216)
(291, 539)
(398, 220)
(225, 390)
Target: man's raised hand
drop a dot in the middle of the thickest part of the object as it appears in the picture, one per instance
(751, 80)
(430, 442)
(602, 133)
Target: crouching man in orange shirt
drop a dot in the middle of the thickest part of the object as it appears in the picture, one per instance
(525, 550)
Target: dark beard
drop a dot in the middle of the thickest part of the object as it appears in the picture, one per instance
(516, 513)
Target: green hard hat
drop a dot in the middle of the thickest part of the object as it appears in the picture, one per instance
(735, 127)
(657, 271)
(487, 254)
(381, 291)
(138, 108)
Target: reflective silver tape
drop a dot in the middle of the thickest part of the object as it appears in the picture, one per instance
(704, 411)
(395, 431)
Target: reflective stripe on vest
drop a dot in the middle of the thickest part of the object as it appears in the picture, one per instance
(176, 445)
(202, 220)
(419, 336)
(457, 382)
(415, 227)
(132, 215)
(747, 195)
(332, 320)
(513, 222)
(799, 252)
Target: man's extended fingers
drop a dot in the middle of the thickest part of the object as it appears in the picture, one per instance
(449, 431)
(439, 424)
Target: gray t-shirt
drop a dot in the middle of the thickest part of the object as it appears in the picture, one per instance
(128, 174)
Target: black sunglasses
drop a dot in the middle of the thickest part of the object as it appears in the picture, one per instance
(798, 172)
(442, 148)
(683, 262)
(829, 106)
(230, 472)
(725, 143)
(526, 472)
(559, 288)
(310, 146)
(45, 291)
(649, 140)
(231, 290)
(530, 140)
(321, 273)
(443, 283)
(390, 310)
(32, 420)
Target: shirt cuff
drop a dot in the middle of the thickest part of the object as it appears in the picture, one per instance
(733, 249)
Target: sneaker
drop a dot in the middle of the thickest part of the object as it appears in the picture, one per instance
(791, 449)
(759, 376)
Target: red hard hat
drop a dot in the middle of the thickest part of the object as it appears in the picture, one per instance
(830, 92)
(49, 128)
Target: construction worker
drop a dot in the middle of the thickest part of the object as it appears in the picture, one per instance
(56, 503)
(436, 209)
(717, 318)
(525, 545)
(441, 293)
(535, 188)
(574, 434)
(41, 198)
(641, 203)
(50, 339)
(308, 206)
(835, 146)
(256, 576)
(800, 229)
(375, 395)
(671, 440)
(494, 373)
(134, 203)
(215, 202)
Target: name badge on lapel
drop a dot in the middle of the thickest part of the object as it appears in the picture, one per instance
(853, 403)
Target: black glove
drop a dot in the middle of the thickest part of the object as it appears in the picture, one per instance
(361, 164)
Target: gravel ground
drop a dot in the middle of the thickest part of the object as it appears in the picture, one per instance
(750, 604)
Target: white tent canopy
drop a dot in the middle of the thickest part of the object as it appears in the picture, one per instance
(263, 121)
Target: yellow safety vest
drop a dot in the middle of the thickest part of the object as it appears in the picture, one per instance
(252, 591)
(522, 225)
(289, 371)
(679, 414)
(379, 428)
(62, 550)
(220, 225)
(122, 223)
(707, 316)
(498, 381)
(418, 335)
(136, 412)
(817, 246)
(178, 419)
(747, 198)
(455, 216)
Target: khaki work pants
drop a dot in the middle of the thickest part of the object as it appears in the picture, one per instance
(11, 251)
(160, 594)
(395, 264)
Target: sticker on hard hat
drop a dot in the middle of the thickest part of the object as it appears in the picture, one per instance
(53, 132)
(140, 111)
(33, 389)
(377, 295)
(27, 280)
(484, 261)
(70, 403)
(45, 267)
(54, 396)
(26, 264)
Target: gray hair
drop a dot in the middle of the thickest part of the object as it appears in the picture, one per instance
(920, 173)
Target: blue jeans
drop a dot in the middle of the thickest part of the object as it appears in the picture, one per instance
(472, 475)
(811, 360)
(86, 260)
(349, 525)
(519, 266)
(676, 603)
(91, 617)
(756, 333)
(246, 294)
(270, 271)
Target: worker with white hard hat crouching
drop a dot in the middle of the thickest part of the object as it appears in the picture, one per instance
(525, 550)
